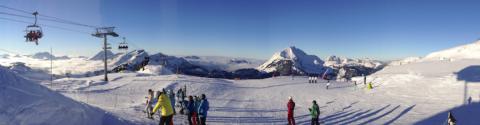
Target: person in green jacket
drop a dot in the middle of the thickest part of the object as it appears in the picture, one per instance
(166, 109)
(315, 113)
(369, 85)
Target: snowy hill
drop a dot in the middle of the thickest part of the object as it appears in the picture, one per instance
(223, 63)
(27, 72)
(335, 61)
(293, 61)
(133, 57)
(469, 51)
(101, 55)
(406, 61)
(346, 68)
(156, 70)
(176, 64)
(47, 56)
(28, 103)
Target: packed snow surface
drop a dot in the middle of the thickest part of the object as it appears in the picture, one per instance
(416, 93)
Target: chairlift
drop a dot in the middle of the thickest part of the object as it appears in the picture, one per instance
(123, 45)
(33, 32)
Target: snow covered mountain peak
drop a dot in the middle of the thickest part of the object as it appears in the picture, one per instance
(293, 61)
(101, 55)
(291, 53)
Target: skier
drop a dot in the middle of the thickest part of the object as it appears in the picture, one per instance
(370, 85)
(291, 108)
(315, 79)
(166, 109)
(469, 100)
(328, 84)
(364, 79)
(190, 110)
(171, 95)
(180, 100)
(314, 112)
(148, 107)
(196, 103)
(451, 120)
(203, 110)
(309, 79)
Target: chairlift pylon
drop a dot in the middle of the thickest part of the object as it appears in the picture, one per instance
(33, 32)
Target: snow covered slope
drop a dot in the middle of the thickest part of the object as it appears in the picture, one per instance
(469, 51)
(101, 55)
(223, 63)
(397, 98)
(23, 102)
(406, 61)
(28, 73)
(293, 60)
(133, 57)
(435, 87)
(157, 70)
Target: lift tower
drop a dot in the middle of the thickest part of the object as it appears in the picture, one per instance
(103, 32)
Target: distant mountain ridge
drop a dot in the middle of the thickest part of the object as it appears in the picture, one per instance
(47, 56)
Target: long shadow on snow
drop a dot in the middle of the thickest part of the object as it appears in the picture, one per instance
(465, 115)
(399, 115)
(365, 117)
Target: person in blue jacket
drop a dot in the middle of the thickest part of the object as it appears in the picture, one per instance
(203, 109)
(190, 110)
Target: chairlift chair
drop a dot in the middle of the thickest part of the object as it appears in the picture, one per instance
(33, 32)
(123, 45)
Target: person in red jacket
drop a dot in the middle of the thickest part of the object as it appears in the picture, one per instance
(291, 108)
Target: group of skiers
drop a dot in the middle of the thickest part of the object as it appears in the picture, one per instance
(33, 35)
(314, 112)
(195, 108)
(312, 79)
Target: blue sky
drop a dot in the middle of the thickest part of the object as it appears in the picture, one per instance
(381, 29)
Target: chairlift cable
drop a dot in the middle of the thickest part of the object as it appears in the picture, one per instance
(52, 20)
(56, 19)
(50, 26)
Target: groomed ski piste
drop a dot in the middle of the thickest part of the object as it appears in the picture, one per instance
(420, 91)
